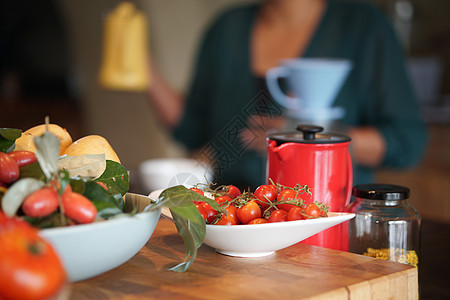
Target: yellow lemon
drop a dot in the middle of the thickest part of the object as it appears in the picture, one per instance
(92, 144)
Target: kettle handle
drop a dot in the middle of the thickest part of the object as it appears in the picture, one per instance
(348, 193)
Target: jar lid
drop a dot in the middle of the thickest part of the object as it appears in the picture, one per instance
(308, 134)
(378, 191)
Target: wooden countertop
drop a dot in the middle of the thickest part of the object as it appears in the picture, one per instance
(299, 271)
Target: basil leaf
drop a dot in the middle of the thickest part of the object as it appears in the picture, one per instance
(47, 153)
(8, 137)
(115, 177)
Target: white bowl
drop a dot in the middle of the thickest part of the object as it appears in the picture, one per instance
(163, 173)
(263, 239)
(88, 250)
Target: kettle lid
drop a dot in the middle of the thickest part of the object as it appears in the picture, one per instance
(309, 134)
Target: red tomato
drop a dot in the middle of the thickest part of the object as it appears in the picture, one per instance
(9, 169)
(258, 221)
(29, 266)
(223, 200)
(201, 210)
(230, 218)
(209, 212)
(41, 202)
(312, 211)
(232, 191)
(78, 208)
(23, 158)
(278, 215)
(265, 193)
(295, 213)
(288, 195)
(248, 212)
(199, 191)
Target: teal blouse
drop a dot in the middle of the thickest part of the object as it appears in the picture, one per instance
(225, 92)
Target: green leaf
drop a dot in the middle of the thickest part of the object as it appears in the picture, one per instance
(17, 192)
(47, 153)
(190, 224)
(88, 165)
(8, 137)
(106, 204)
(32, 170)
(115, 177)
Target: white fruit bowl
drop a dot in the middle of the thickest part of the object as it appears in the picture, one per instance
(263, 239)
(88, 250)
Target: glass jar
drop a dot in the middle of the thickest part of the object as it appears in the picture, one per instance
(385, 225)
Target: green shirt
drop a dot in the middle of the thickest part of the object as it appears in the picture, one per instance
(377, 92)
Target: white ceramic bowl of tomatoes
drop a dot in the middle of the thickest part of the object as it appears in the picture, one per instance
(87, 250)
(271, 218)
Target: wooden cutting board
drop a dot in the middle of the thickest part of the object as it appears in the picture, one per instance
(300, 271)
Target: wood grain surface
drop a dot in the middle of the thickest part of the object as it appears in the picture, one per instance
(297, 272)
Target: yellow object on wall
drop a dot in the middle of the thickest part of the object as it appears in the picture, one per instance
(125, 50)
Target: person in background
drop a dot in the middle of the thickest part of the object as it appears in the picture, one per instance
(228, 109)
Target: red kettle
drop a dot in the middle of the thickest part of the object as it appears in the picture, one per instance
(322, 162)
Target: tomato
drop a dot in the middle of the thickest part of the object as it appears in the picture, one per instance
(198, 191)
(210, 213)
(230, 218)
(29, 266)
(295, 213)
(223, 200)
(232, 191)
(9, 169)
(288, 195)
(41, 202)
(23, 158)
(278, 215)
(258, 221)
(201, 210)
(248, 212)
(265, 193)
(78, 208)
(313, 211)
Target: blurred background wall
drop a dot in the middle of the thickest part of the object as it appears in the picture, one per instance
(50, 53)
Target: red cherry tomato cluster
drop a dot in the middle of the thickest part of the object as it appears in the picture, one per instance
(269, 203)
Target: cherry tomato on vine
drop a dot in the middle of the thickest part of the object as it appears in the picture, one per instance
(41, 203)
(198, 191)
(230, 218)
(29, 266)
(232, 191)
(248, 212)
(265, 193)
(295, 213)
(258, 221)
(288, 195)
(210, 212)
(313, 211)
(278, 215)
(223, 200)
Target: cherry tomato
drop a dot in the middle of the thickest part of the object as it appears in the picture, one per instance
(288, 195)
(312, 211)
(29, 266)
(78, 208)
(41, 202)
(264, 193)
(248, 212)
(232, 191)
(295, 213)
(223, 200)
(278, 215)
(9, 169)
(230, 218)
(23, 158)
(199, 191)
(209, 212)
(258, 221)
(201, 210)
